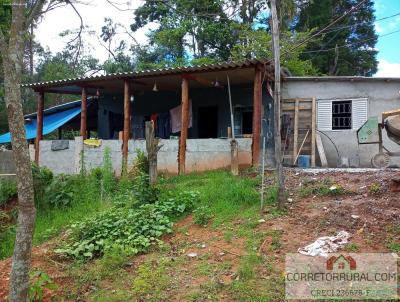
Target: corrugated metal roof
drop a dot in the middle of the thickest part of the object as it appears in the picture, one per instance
(342, 78)
(150, 73)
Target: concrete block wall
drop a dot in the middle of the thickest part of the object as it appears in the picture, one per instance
(7, 165)
(201, 155)
(382, 96)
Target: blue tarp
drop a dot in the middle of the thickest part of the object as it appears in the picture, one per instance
(50, 123)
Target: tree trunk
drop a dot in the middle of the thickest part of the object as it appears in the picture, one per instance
(12, 57)
(277, 105)
(152, 148)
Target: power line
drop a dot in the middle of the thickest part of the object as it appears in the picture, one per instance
(361, 23)
(349, 44)
(354, 8)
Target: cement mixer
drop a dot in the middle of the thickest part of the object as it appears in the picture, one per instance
(371, 133)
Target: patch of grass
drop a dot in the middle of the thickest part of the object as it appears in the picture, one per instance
(49, 222)
(226, 196)
(228, 236)
(8, 189)
(247, 292)
(374, 188)
(150, 281)
(352, 247)
(394, 246)
(204, 269)
(248, 266)
(322, 190)
(202, 215)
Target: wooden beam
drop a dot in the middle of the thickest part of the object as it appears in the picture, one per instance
(127, 125)
(39, 126)
(257, 100)
(295, 130)
(184, 126)
(83, 131)
(321, 151)
(313, 131)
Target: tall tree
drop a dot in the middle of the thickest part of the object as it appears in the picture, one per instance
(277, 105)
(12, 52)
(13, 33)
(349, 47)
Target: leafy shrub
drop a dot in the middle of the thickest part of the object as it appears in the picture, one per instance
(107, 172)
(202, 215)
(374, 188)
(142, 190)
(134, 229)
(140, 164)
(4, 219)
(42, 177)
(60, 192)
(8, 189)
(39, 281)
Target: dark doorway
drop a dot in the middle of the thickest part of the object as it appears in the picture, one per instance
(208, 122)
(247, 122)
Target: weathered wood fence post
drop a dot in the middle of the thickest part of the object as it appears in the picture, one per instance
(152, 148)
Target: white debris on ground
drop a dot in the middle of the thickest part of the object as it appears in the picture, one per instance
(344, 170)
(326, 244)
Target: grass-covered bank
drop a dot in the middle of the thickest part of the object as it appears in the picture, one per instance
(222, 231)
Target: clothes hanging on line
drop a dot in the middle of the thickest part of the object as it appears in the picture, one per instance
(163, 129)
(176, 118)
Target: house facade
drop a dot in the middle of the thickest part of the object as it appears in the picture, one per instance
(197, 111)
(343, 105)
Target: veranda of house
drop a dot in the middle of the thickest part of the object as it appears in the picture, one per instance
(114, 108)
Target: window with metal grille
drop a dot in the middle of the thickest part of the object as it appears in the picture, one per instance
(341, 115)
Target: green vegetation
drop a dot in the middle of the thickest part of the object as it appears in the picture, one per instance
(352, 247)
(202, 215)
(151, 279)
(322, 190)
(134, 227)
(374, 188)
(39, 281)
(8, 189)
(60, 200)
(224, 195)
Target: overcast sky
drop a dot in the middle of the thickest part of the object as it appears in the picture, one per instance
(93, 15)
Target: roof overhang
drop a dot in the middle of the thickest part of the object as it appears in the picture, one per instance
(168, 79)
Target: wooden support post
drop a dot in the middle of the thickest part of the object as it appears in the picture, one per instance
(277, 106)
(184, 126)
(296, 130)
(229, 132)
(84, 114)
(127, 125)
(257, 116)
(152, 148)
(39, 125)
(234, 157)
(313, 132)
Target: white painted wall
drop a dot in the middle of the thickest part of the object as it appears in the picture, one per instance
(201, 155)
(382, 96)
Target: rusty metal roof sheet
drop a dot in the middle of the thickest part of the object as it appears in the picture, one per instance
(152, 73)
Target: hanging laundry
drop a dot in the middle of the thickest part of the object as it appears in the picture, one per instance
(176, 117)
(164, 125)
(153, 118)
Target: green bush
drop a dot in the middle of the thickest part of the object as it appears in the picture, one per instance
(61, 191)
(8, 189)
(42, 178)
(202, 215)
(134, 229)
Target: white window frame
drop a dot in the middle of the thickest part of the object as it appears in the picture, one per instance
(328, 123)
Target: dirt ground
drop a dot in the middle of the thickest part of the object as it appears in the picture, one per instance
(366, 208)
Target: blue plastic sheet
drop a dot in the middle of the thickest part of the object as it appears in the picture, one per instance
(51, 122)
